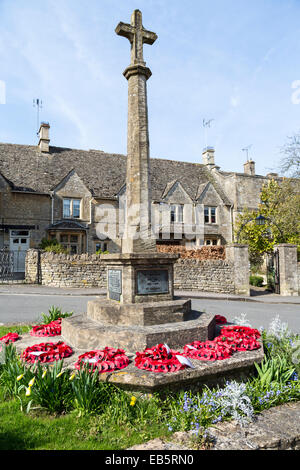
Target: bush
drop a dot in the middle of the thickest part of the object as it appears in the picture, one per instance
(256, 281)
(100, 252)
(52, 246)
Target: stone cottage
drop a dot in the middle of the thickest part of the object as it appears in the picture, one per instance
(58, 193)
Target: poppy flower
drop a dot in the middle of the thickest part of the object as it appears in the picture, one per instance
(9, 338)
(105, 360)
(51, 329)
(159, 359)
(46, 352)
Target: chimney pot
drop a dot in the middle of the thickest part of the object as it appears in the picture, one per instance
(208, 156)
(249, 168)
(44, 137)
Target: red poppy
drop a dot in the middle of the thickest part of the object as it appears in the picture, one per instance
(159, 359)
(10, 338)
(52, 329)
(207, 351)
(232, 339)
(47, 352)
(221, 320)
(105, 360)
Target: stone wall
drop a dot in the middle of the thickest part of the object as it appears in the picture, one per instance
(58, 270)
(299, 278)
(207, 276)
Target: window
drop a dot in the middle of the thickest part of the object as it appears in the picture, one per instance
(101, 246)
(71, 208)
(176, 213)
(71, 242)
(67, 208)
(211, 242)
(210, 215)
(76, 208)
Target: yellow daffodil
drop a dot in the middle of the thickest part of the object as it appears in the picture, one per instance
(44, 374)
(28, 392)
(133, 401)
(61, 373)
(20, 377)
(31, 382)
(72, 376)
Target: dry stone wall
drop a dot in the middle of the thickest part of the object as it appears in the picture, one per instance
(59, 270)
(215, 276)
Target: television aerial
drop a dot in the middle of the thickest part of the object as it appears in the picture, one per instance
(206, 125)
(246, 150)
(37, 103)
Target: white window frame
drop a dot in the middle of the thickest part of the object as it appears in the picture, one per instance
(210, 209)
(177, 210)
(71, 216)
(211, 242)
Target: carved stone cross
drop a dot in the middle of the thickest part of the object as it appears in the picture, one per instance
(137, 35)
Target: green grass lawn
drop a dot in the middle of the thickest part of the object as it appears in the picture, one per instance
(41, 431)
(4, 330)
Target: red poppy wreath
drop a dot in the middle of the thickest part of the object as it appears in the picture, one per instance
(105, 360)
(232, 339)
(207, 351)
(10, 338)
(161, 359)
(51, 329)
(47, 352)
(240, 338)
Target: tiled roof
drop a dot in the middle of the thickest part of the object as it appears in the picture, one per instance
(103, 174)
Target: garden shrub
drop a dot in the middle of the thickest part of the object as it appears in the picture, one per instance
(256, 281)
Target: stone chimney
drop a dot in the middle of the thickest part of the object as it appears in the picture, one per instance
(249, 168)
(208, 157)
(44, 137)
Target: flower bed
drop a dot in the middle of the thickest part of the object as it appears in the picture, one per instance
(105, 360)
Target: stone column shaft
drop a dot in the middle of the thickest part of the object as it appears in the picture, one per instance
(138, 191)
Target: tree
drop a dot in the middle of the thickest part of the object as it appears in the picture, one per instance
(280, 208)
(290, 163)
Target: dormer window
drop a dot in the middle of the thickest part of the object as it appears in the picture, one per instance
(210, 215)
(71, 208)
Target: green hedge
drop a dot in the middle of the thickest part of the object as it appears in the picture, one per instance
(256, 281)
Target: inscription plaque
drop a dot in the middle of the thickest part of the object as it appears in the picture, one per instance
(153, 282)
(115, 284)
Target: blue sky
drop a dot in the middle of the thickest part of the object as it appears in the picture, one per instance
(233, 61)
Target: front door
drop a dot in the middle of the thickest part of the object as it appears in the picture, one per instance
(19, 244)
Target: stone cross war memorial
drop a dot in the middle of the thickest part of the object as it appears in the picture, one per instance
(140, 310)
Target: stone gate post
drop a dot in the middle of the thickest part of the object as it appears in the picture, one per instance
(288, 269)
(238, 255)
